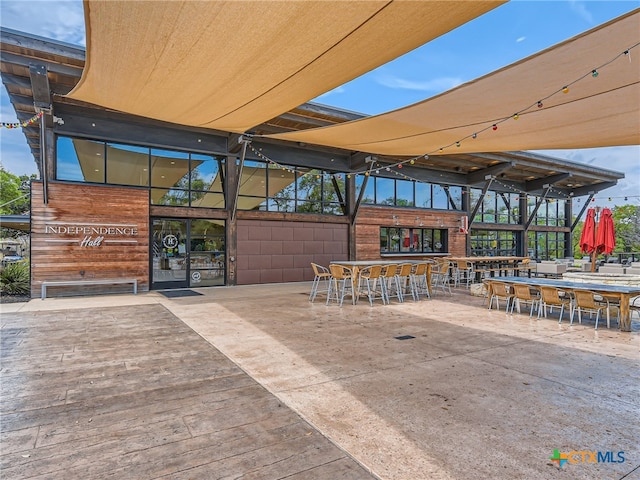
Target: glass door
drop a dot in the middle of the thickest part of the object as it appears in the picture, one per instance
(169, 255)
(206, 253)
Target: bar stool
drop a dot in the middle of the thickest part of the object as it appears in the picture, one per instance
(322, 276)
(340, 284)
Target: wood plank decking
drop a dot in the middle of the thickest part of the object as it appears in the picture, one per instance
(133, 393)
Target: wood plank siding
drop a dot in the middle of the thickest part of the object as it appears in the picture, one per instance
(370, 219)
(65, 247)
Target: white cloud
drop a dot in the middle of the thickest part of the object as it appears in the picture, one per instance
(433, 85)
(520, 39)
(581, 9)
(58, 19)
(625, 159)
(335, 91)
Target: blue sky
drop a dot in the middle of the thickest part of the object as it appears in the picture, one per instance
(503, 36)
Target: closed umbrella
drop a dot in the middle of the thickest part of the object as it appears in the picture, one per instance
(606, 237)
(588, 237)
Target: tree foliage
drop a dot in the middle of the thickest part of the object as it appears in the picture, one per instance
(14, 193)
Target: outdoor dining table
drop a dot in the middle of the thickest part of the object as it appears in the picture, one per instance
(491, 265)
(623, 293)
(357, 265)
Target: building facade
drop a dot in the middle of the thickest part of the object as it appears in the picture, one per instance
(177, 207)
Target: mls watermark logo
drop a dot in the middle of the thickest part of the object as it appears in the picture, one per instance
(586, 456)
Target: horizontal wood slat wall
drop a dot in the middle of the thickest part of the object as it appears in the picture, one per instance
(370, 219)
(61, 256)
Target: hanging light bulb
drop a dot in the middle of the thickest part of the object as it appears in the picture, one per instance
(516, 116)
(457, 144)
(594, 73)
(565, 89)
(400, 165)
(412, 161)
(539, 104)
(474, 136)
(495, 127)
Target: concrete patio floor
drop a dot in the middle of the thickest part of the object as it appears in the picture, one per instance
(468, 393)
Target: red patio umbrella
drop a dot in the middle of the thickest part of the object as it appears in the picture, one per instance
(605, 238)
(588, 236)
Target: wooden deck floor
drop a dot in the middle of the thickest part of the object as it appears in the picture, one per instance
(133, 393)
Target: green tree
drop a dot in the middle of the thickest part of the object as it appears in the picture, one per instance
(14, 193)
(626, 221)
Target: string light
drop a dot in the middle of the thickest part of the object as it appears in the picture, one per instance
(26, 123)
(494, 126)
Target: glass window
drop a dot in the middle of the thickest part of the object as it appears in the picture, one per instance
(370, 192)
(176, 178)
(206, 179)
(385, 194)
(492, 243)
(404, 193)
(80, 160)
(412, 240)
(170, 197)
(127, 165)
(169, 169)
(423, 195)
(440, 199)
(253, 186)
(546, 245)
(456, 195)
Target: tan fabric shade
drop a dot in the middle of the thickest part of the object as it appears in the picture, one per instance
(597, 111)
(231, 65)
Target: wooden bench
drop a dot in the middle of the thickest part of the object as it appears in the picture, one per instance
(89, 281)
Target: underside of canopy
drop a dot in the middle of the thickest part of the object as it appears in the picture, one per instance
(501, 111)
(231, 65)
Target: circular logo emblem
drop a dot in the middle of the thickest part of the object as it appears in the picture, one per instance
(195, 276)
(170, 241)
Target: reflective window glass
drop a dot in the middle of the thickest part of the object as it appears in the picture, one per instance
(169, 169)
(385, 194)
(404, 193)
(80, 160)
(423, 195)
(127, 165)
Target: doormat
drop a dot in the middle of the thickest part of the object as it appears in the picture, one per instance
(179, 293)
